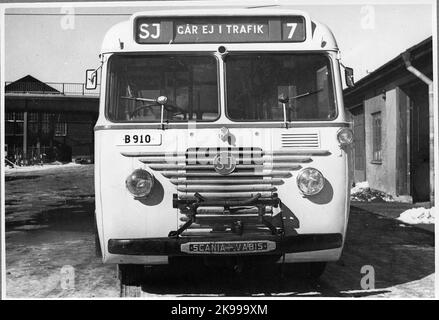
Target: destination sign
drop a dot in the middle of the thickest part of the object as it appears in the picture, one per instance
(219, 30)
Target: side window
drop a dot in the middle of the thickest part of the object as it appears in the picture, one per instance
(325, 109)
(376, 130)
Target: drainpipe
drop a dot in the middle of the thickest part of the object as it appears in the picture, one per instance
(429, 82)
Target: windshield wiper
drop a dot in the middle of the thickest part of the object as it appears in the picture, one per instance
(140, 99)
(305, 94)
(284, 99)
(160, 101)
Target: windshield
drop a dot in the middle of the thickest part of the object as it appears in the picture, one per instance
(188, 82)
(256, 83)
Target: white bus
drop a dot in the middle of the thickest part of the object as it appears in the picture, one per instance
(221, 135)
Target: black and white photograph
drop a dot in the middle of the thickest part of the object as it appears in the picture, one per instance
(219, 150)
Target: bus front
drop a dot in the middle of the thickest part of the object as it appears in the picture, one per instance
(221, 136)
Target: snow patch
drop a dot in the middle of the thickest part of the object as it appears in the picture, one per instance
(360, 186)
(362, 192)
(418, 216)
(54, 165)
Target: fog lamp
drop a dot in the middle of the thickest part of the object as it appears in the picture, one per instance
(345, 136)
(310, 181)
(139, 183)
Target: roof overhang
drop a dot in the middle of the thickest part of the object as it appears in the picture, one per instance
(417, 53)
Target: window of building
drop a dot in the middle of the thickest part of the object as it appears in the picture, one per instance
(14, 123)
(45, 123)
(32, 123)
(60, 125)
(376, 130)
(60, 129)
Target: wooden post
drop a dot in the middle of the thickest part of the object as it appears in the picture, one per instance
(409, 150)
(25, 136)
(431, 129)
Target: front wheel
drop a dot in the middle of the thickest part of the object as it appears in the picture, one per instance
(308, 270)
(130, 277)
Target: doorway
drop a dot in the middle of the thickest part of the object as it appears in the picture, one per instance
(419, 143)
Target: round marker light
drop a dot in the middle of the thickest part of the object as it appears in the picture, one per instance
(310, 181)
(139, 183)
(345, 136)
(162, 100)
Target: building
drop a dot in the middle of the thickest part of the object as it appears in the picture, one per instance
(49, 121)
(392, 110)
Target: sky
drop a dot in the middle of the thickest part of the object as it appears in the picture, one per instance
(36, 42)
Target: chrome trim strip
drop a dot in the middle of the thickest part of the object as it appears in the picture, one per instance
(222, 216)
(193, 126)
(220, 210)
(169, 156)
(188, 196)
(225, 188)
(226, 180)
(274, 166)
(235, 174)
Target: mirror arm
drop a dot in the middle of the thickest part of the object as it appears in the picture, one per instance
(285, 114)
(161, 116)
(282, 99)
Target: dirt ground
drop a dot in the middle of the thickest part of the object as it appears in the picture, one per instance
(49, 241)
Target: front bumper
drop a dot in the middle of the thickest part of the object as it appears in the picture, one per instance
(170, 246)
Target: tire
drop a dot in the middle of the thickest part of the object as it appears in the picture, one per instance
(130, 291)
(308, 270)
(131, 277)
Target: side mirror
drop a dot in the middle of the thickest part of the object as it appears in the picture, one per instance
(349, 77)
(91, 79)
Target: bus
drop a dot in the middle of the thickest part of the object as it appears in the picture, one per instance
(221, 136)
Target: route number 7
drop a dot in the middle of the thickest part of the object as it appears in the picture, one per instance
(292, 27)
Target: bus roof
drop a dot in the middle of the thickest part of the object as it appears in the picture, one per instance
(121, 37)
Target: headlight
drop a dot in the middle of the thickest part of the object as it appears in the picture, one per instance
(345, 136)
(140, 183)
(310, 181)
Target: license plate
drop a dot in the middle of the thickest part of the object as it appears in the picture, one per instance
(228, 247)
(139, 139)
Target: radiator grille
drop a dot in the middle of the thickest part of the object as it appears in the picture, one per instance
(300, 140)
